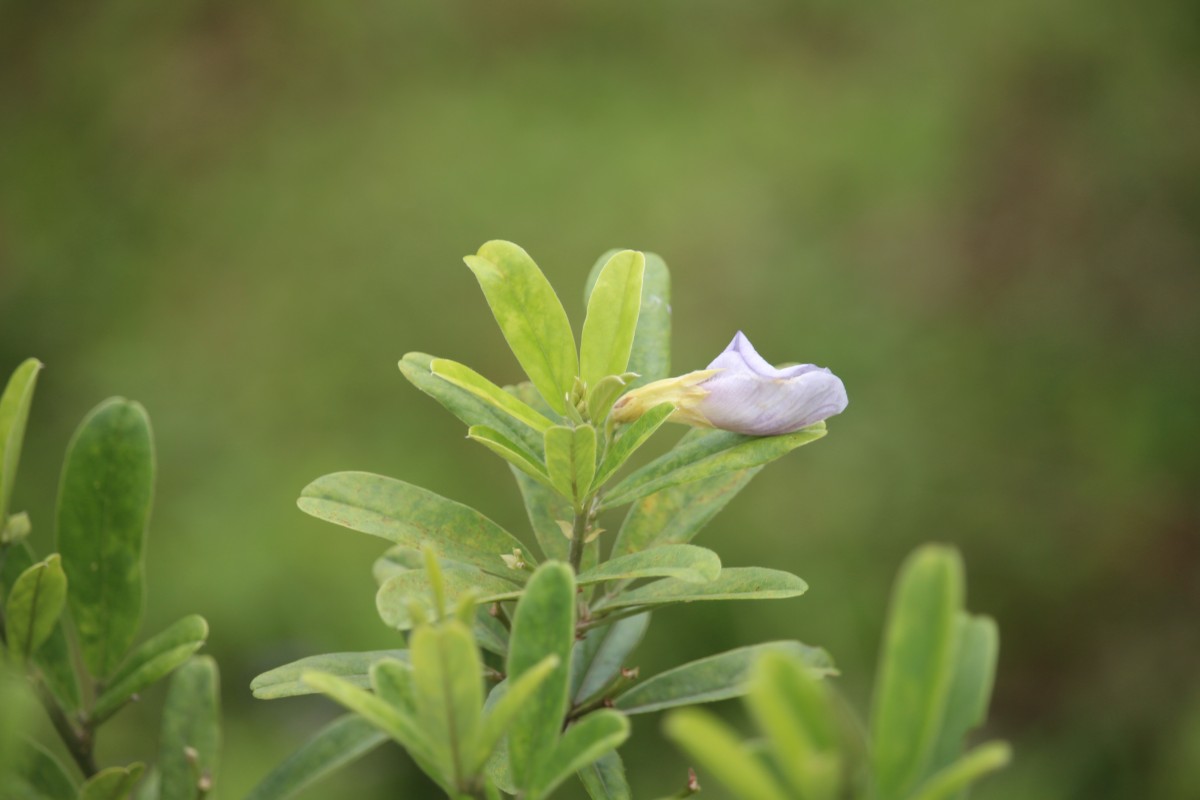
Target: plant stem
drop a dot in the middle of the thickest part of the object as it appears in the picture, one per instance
(77, 740)
(578, 533)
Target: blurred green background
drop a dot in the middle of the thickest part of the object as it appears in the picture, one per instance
(982, 216)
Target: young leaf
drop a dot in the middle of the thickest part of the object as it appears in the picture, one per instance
(915, 669)
(651, 354)
(449, 696)
(597, 659)
(411, 516)
(395, 599)
(631, 439)
(571, 460)
(285, 681)
(951, 780)
(612, 315)
(543, 625)
(734, 583)
(683, 561)
(14, 415)
(717, 677)
(704, 456)
(510, 451)
(153, 660)
(34, 606)
(342, 741)
(971, 688)
(530, 315)
(469, 380)
(114, 783)
(585, 741)
(500, 712)
(103, 508)
(470, 410)
(720, 752)
(602, 394)
(191, 734)
(605, 779)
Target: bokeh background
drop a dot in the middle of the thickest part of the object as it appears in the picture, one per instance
(984, 217)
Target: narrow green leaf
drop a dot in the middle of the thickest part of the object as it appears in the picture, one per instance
(284, 681)
(503, 710)
(719, 752)
(734, 583)
(545, 507)
(339, 743)
(103, 508)
(602, 394)
(605, 779)
(717, 677)
(597, 659)
(530, 315)
(449, 696)
(191, 731)
(571, 460)
(612, 315)
(150, 786)
(510, 451)
(630, 440)
(585, 741)
(469, 380)
(915, 669)
(683, 561)
(651, 353)
(971, 688)
(14, 415)
(398, 594)
(34, 606)
(152, 661)
(543, 625)
(499, 768)
(35, 774)
(469, 409)
(677, 514)
(962, 773)
(411, 516)
(114, 783)
(712, 454)
(392, 680)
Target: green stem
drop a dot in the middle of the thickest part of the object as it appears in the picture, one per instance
(78, 740)
(578, 534)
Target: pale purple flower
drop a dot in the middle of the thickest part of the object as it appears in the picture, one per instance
(740, 391)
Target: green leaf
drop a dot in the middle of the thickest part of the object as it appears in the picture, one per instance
(530, 315)
(677, 514)
(612, 315)
(543, 625)
(14, 415)
(34, 606)
(114, 783)
(510, 451)
(399, 593)
(469, 409)
(719, 752)
(284, 681)
(449, 696)
(411, 516)
(191, 733)
(469, 380)
(36, 774)
(683, 561)
(704, 456)
(734, 583)
(545, 507)
(631, 439)
(915, 669)
(605, 779)
(717, 677)
(971, 688)
(149, 788)
(602, 395)
(597, 659)
(339, 743)
(791, 706)
(951, 780)
(152, 661)
(103, 508)
(501, 711)
(651, 353)
(571, 460)
(585, 741)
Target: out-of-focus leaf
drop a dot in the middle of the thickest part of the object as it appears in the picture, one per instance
(631, 439)
(103, 507)
(149, 787)
(501, 712)
(651, 353)
(34, 773)
(530, 315)
(585, 741)
(604, 779)
(686, 562)
(971, 688)
(612, 315)
(510, 451)
(734, 583)
(499, 768)
(704, 456)
(153, 660)
(597, 659)
(448, 695)
(339, 743)
(717, 677)
(915, 669)
(284, 681)
(471, 381)
(191, 734)
(34, 606)
(114, 783)
(951, 780)
(543, 625)
(395, 599)
(411, 516)
(14, 415)
(571, 460)
(15, 529)
(719, 752)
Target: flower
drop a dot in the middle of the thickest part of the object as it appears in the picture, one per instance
(740, 391)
